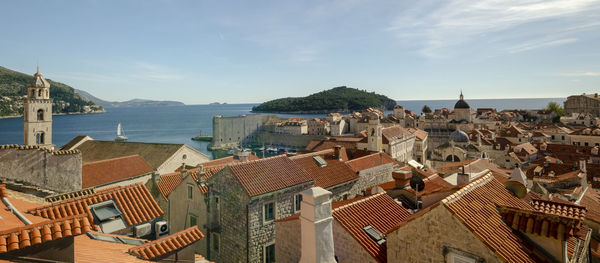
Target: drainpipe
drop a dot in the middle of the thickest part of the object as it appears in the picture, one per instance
(11, 207)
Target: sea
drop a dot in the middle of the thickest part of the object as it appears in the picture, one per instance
(178, 124)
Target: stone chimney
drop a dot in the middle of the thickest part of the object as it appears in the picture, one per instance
(3, 191)
(337, 152)
(462, 177)
(183, 171)
(582, 166)
(243, 156)
(401, 177)
(316, 225)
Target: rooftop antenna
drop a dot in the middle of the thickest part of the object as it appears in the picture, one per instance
(417, 184)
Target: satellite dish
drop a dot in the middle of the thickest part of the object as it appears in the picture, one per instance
(417, 183)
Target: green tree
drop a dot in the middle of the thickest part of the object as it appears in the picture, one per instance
(557, 109)
(426, 109)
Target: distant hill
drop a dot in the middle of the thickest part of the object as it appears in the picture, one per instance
(339, 99)
(129, 103)
(13, 87)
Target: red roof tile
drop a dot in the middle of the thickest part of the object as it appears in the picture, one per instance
(563, 209)
(476, 206)
(112, 170)
(21, 237)
(370, 161)
(168, 244)
(336, 172)
(269, 174)
(379, 211)
(591, 201)
(135, 202)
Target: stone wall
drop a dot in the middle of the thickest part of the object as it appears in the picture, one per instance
(347, 249)
(263, 233)
(58, 171)
(288, 241)
(372, 177)
(231, 220)
(582, 104)
(232, 131)
(424, 238)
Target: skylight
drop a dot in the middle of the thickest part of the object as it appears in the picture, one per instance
(320, 161)
(374, 234)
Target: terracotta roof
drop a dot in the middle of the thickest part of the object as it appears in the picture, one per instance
(168, 244)
(269, 174)
(323, 144)
(379, 211)
(591, 201)
(154, 153)
(88, 250)
(562, 209)
(135, 202)
(168, 183)
(434, 184)
(21, 237)
(419, 134)
(112, 170)
(471, 166)
(394, 133)
(370, 161)
(476, 206)
(336, 172)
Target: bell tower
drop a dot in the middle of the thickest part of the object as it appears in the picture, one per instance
(374, 133)
(37, 112)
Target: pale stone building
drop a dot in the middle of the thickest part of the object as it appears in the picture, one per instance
(37, 112)
(317, 126)
(292, 127)
(585, 103)
(396, 141)
(589, 136)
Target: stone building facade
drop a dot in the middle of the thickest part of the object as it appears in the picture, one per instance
(58, 171)
(241, 221)
(585, 103)
(37, 112)
(423, 240)
(230, 132)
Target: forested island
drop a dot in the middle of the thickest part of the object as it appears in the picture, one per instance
(13, 89)
(339, 99)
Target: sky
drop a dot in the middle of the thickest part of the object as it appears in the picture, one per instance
(200, 52)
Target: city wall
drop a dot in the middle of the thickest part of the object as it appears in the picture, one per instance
(230, 132)
(58, 171)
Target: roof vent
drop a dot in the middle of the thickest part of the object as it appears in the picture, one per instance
(374, 234)
(320, 161)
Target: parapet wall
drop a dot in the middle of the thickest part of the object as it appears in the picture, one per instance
(58, 171)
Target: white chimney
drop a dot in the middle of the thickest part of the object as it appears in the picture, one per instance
(316, 224)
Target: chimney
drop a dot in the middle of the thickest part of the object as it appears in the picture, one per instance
(316, 224)
(337, 152)
(462, 177)
(582, 166)
(3, 191)
(183, 171)
(401, 177)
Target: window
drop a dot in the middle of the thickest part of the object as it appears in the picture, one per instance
(270, 253)
(190, 191)
(193, 220)
(269, 212)
(39, 138)
(552, 137)
(563, 137)
(298, 202)
(586, 144)
(40, 115)
(39, 92)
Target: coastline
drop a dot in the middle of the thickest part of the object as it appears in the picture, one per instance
(55, 114)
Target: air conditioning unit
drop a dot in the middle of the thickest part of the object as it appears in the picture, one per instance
(142, 230)
(161, 228)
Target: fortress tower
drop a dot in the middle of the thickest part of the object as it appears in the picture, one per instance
(37, 112)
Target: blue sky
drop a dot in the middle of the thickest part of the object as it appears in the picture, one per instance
(252, 51)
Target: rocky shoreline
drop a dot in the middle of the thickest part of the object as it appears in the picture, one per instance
(55, 114)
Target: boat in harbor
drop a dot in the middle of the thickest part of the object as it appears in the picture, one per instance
(202, 138)
(120, 134)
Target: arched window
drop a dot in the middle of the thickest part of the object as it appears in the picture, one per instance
(39, 92)
(39, 138)
(372, 132)
(40, 115)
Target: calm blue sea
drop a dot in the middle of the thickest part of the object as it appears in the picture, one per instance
(178, 124)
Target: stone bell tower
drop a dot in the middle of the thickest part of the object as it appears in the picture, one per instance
(374, 133)
(37, 112)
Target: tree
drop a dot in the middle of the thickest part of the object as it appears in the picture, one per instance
(426, 109)
(557, 109)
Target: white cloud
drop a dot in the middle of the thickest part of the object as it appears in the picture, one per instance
(432, 27)
(582, 74)
(540, 43)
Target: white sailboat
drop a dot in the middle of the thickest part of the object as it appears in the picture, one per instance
(120, 134)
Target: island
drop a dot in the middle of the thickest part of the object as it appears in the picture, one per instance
(129, 103)
(339, 99)
(13, 88)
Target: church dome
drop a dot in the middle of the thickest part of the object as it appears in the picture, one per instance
(459, 136)
(461, 103)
